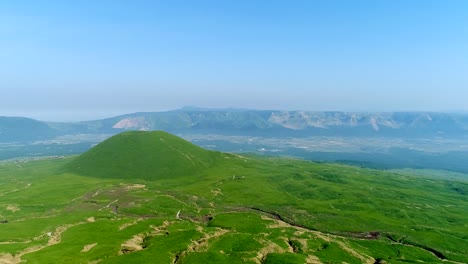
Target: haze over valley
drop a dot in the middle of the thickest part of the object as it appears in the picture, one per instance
(377, 140)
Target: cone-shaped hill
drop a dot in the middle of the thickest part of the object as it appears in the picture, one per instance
(143, 155)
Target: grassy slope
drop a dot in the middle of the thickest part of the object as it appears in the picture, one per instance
(326, 209)
(144, 155)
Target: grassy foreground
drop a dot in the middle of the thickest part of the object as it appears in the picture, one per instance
(223, 208)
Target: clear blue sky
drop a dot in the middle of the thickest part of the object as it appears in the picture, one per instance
(72, 60)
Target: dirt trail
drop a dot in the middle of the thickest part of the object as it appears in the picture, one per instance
(35, 217)
(54, 238)
(311, 259)
(428, 249)
(16, 190)
(173, 198)
(200, 244)
(108, 205)
(364, 258)
(279, 223)
(122, 227)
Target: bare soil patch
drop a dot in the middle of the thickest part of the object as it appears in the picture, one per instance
(88, 247)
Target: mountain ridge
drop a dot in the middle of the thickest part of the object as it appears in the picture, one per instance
(268, 123)
(24, 129)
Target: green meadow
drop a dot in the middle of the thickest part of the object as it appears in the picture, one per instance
(151, 197)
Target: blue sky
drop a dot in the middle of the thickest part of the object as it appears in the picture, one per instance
(75, 60)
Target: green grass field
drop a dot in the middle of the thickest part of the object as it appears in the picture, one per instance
(150, 197)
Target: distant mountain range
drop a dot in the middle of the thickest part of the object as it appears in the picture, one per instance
(265, 123)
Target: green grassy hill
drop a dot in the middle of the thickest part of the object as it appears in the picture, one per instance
(144, 155)
(150, 197)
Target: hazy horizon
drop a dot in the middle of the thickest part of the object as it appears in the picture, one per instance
(72, 116)
(75, 61)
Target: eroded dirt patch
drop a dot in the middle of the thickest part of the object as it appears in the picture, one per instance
(88, 247)
(135, 187)
(217, 192)
(270, 247)
(132, 245)
(136, 242)
(200, 244)
(9, 259)
(12, 208)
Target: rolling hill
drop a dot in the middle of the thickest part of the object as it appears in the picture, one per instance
(142, 197)
(144, 155)
(360, 206)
